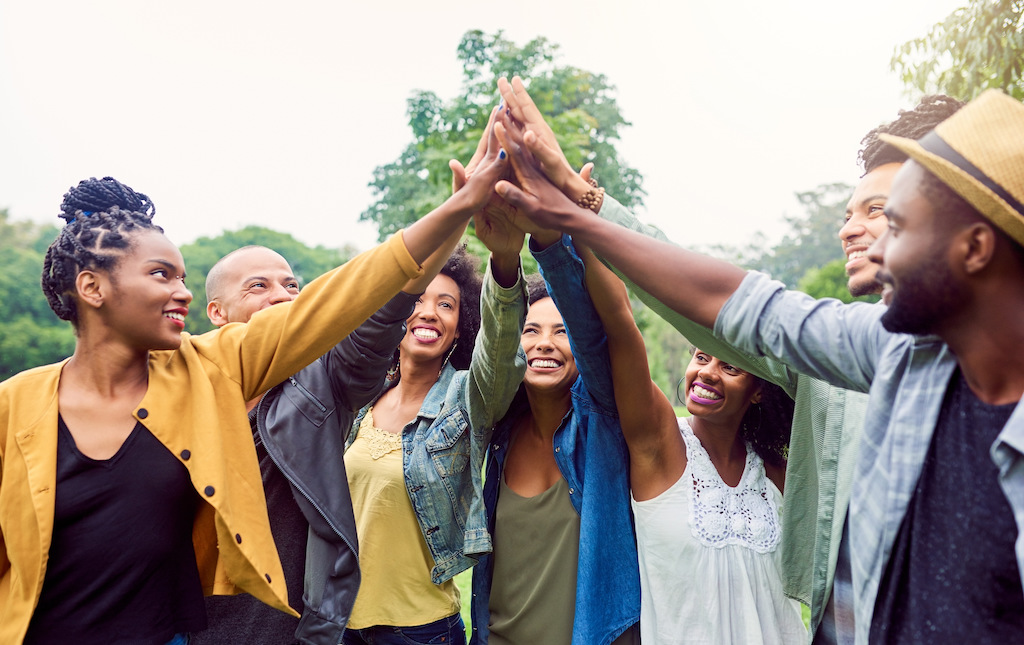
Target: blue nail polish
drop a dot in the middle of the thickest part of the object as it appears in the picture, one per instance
(501, 154)
(501, 105)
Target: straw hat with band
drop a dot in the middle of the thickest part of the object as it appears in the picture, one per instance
(979, 153)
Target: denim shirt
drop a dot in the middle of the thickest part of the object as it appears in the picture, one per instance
(443, 447)
(592, 456)
(906, 377)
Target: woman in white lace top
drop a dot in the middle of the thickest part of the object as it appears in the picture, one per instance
(707, 490)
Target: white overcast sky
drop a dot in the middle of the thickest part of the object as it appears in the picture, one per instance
(230, 112)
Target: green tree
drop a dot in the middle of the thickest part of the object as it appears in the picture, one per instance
(975, 48)
(30, 333)
(668, 351)
(811, 242)
(201, 255)
(579, 105)
(830, 281)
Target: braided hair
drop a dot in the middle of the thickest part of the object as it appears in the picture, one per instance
(912, 124)
(101, 217)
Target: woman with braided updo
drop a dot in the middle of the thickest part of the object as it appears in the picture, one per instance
(129, 483)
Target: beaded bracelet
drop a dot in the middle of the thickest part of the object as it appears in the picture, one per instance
(593, 198)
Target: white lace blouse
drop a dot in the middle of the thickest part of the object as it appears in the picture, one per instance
(709, 558)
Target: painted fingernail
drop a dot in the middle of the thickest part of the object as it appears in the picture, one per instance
(501, 154)
(501, 105)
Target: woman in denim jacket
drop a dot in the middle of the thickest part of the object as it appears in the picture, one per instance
(415, 455)
(556, 492)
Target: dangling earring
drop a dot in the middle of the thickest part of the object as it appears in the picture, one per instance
(395, 370)
(455, 343)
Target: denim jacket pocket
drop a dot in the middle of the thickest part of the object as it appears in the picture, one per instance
(447, 443)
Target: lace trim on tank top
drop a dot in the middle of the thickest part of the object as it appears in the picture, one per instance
(380, 442)
(721, 515)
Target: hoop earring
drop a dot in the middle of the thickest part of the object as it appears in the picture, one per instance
(455, 344)
(679, 395)
(395, 370)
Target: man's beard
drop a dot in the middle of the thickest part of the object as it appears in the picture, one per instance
(923, 299)
(865, 289)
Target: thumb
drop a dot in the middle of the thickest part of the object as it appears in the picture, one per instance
(458, 175)
(511, 193)
(587, 170)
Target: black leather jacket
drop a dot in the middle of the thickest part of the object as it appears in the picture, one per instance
(303, 424)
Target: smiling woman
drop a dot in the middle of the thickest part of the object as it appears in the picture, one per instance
(415, 454)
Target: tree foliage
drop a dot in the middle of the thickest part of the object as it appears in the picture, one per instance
(830, 281)
(30, 333)
(580, 106)
(201, 255)
(811, 243)
(975, 48)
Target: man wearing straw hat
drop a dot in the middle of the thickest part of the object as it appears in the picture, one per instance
(938, 500)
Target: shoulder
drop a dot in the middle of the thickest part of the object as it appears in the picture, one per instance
(34, 381)
(777, 475)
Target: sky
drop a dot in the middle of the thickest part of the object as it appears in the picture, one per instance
(230, 113)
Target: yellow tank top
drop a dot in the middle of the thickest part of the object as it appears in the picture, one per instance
(393, 556)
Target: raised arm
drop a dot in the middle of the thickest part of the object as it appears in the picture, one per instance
(431, 231)
(657, 455)
(764, 367)
(564, 274)
(498, 364)
(281, 340)
(694, 285)
(358, 363)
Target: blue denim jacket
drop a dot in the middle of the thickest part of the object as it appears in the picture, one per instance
(592, 456)
(443, 447)
(906, 377)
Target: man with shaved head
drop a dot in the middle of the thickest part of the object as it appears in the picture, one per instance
(299, 428)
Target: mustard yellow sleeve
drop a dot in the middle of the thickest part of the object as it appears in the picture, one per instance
(280, 340)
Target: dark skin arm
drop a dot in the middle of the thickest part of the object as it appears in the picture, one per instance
(657, 453)
(694, 285)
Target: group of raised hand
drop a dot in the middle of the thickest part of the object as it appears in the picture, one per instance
(537, 188)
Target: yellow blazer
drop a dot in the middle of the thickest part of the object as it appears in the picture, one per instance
(195, 406)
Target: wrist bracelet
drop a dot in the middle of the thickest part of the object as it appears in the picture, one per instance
(593, 198)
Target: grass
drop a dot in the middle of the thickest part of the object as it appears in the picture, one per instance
(464, 581)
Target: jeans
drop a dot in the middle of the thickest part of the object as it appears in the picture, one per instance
(180, 639)
(450, 630)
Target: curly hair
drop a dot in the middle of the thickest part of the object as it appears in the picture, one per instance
(464, 268)
(912, 124)
(536, 288)
(766, 425)
(101, 217)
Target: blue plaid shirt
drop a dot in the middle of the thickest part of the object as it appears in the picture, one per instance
(906, 377)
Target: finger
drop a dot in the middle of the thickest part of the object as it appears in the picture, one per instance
(521, 166)
(550, 160)
(587, 170)
(508, 97)
(458, 175)
(524, 102)
(512, 195)
(481, 145)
